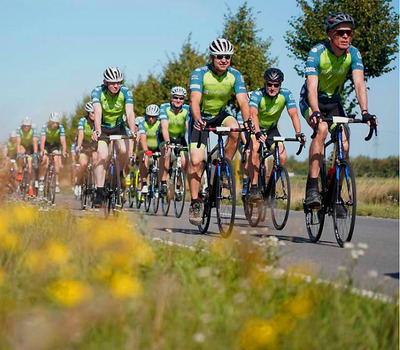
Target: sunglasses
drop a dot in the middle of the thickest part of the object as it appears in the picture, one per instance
(220, 57)
(274, 85)
(342, 32)
(178, 98)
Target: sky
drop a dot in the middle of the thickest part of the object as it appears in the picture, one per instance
(53, 52)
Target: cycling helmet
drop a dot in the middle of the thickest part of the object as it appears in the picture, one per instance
(337, 18)
(221, 46)
(113, 75)
(138, 120)
(13, 134)
(274, 74)
(178, 91)
(27, 121)
(89, 107)
(152, 110)
(54, 117)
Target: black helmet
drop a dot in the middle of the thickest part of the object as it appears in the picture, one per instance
(274, 74)
(337, 18)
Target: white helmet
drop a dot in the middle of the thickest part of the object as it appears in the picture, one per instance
(152, 110)
(178, 91)
(13, 134)
(89, 107)
(113, 75)
(54, 117)
(221, 46)
(138, 120)
(27, 121)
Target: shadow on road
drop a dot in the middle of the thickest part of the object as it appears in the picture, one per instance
(186, 231)
(394, 275)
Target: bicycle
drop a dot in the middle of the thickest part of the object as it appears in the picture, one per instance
(338, 200)
(275, 190)
(217, 189)
(133, 188)
(12, 177)
(88, 188)
(112, 184)
(176, 175)
(152, 196)
(49, 191)
(24, 184)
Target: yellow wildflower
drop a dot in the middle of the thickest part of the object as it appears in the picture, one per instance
(69, 293)
(125, 286)
(258, 334)
(9, 241)
(57, 253)
(2, 276)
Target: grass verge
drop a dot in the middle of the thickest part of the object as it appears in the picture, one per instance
(88, 283)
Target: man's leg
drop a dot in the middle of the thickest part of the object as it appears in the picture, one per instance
(195, 172)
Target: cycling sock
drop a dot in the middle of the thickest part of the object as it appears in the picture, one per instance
(312, 183)
(163, 182)
(245, 181)
(144, 183)
(253, 187)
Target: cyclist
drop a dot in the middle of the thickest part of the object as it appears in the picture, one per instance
(52, 138)
(211, 87)
(75, 187)
(27, 143)
(328, 65)
(84, 144)
(111, 102)
(174, 118)
(148, 143)
(266, 107)
(10, 151)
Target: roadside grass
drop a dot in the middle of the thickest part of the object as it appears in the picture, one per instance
(89, 283)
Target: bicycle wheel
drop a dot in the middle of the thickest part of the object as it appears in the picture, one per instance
(252, 209)
(156, 193)
(280, 197)
(315, 217)
(131, 190)
(52, 188)
(147, 196)
(205, 196)
(166, 197)
(345, 204)
(24, 186)
(138, 194)
(108, 191)
(225, 200)
(85, 191)
(179, 205)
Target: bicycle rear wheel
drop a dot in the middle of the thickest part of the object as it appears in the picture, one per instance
(280, 197)
(315, 217)
(345, 204)
(179, 205)
(225, 200)
(85, 191)
(147, 196)
(205, 196)
(52, 188)
(252, 209)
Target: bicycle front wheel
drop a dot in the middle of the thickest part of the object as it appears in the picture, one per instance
(155, 192)
(52, 188)
(205, 196)
(138, 194)
(344, 205)
(280, 197)
(225, 200)
(252, 209)
(179, 200)
(166, 197)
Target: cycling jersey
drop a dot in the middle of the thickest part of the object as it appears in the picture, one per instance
(216, 90)
(26, 137)
(53, 136)
(113, 108)
(87, 127)
(270, 108)
(176, 122)
(151, 131)
(12, 150)
(332, 71)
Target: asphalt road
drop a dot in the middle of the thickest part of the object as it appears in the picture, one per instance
(376, 270)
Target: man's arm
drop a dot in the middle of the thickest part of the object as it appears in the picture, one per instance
(295, 120)
(361, 90)
(164, 130)
(244, 105)
(19, 150)
(79, 140)
(63, 141)
(130, 117)
(312, 92)
(97, 120)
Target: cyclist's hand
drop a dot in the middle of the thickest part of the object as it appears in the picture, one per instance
(248, 124)
(199, 124)
(96, 134)
(134, 134)
(368, 118)
(261, 138)
(301, 138)
(65, 154)
(78, 149)
(314, 118)
(148, 153)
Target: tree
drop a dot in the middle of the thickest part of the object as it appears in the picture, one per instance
(146, 92)
(375, 35)
(251, 57)
(178, 69)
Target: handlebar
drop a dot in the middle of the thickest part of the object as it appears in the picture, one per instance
(218, 130)
(287, 139)
(114, 137)
(347, 120)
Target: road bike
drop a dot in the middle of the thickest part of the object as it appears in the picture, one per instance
(275, 190)
(217, 186)
(132, 191)
(175, 182)
(49, 192)
(152, 196)
(337, 186)
(88, 187)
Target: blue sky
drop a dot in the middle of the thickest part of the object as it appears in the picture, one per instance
(54, 52)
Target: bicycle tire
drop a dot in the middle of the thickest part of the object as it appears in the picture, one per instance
(52, 189)
(178, 206)
(344, 199)
(117, 189)
(225, 201)
(85, 191)
(131, 190)
(166, 198)
(315, 217)
(156, 193)
(138, 194)
(108, 185)
(252, 209)
(147, 196)
(205, 196)
(280, 197)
